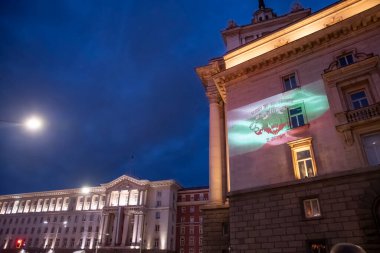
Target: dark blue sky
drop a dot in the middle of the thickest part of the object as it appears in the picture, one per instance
(116, 82)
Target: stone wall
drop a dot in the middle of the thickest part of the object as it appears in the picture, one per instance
(271, 219)
(214, 238)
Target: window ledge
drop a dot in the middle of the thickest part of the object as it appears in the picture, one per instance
(299, 129)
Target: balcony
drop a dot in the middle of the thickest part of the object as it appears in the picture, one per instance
(365, 113)
(350, 120)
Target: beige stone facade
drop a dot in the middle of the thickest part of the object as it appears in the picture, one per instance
(298, 112)
(124, 215)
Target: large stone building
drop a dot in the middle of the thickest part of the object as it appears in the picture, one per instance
(189, 236)
(295, 132)
(122, 215)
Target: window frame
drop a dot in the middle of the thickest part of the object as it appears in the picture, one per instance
(303, 206)
(363, 146)
(303, 113)
(298, 146)
(288, 76)
(344, 56)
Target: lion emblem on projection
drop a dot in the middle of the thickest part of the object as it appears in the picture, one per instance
(269, 120)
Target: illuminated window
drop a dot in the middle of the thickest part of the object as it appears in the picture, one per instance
(371, 145)
(358, 99)
(191, 218)
(345, 60)
(317, 246)
(192, 208)
(303, 158)
(297, 116)
(311, 208)
(290, 82)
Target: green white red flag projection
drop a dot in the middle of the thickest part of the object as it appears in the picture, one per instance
(252, 126)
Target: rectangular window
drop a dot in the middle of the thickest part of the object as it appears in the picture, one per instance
(183, 209)
(159, 194)
(182, 241)
(156, 243)
(192, 208)
(158, 203)
(303, 158)
(191, 230)
(311, 208)
(297, 116)
(290, 82)
(305, 164)
(345, 60)
(371, 145)
(316, 246)
(157, 228)
(358, 99)
(157, 215)
(191, 241)
(182, 230)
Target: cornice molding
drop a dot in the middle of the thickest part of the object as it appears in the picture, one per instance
(295, 49)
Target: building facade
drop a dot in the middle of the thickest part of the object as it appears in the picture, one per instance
(189, 229)
(295, 132)
(125, 214)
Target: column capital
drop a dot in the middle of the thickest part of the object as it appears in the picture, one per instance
(213, 95)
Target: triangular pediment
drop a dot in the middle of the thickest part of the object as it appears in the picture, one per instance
(125, 182)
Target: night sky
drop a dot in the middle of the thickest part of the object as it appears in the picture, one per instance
(115, 80)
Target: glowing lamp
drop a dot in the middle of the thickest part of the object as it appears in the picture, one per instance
(85, 190)
(33, 123)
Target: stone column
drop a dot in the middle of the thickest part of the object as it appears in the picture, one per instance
(215, 150)
(114, 233)
(105, 229)
(135, 225)
(127, 200)
(139, 229)
(125, 229)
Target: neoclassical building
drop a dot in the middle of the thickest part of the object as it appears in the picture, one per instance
(125, 214)
(295, 131)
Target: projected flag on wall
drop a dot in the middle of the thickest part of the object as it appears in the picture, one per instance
(268, 121)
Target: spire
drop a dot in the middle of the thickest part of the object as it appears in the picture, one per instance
(261, 4)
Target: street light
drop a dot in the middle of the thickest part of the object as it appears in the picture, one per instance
(32, 123)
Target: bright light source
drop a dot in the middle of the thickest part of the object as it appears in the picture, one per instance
(34, 123)
(46, 222)
(85, 190)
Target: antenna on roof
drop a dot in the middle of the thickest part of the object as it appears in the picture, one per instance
(261, 4)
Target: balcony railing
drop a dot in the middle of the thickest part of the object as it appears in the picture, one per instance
(364, 113)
